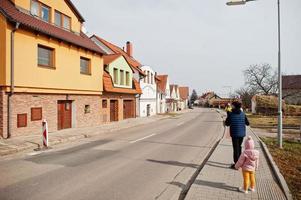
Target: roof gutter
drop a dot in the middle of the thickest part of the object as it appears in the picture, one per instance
(12, 79)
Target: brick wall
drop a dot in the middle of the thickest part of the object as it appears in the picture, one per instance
(22, 103)
(120, 98)
(1, 112)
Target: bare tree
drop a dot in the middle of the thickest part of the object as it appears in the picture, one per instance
(261, 78)
(245, 95)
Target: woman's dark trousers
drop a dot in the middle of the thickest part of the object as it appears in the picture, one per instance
(236, 143)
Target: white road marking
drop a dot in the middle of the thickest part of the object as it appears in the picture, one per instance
(179, 124)
(34, 153)
(143, 138)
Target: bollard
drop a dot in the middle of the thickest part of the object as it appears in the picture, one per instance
(45, 133)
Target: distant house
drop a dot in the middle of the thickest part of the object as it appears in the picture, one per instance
(111, 49)
(216, 101)
(120, 89)
(163, 93)
(265, 104)
(204, 99)
(174, 100)
(291, 89)
(148, 98)
(184, 95)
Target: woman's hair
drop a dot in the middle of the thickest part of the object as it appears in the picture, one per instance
(236, 104)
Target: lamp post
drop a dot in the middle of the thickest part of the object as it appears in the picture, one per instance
(243, 2)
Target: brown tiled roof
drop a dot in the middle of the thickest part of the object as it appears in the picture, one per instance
(184, 92)
(111, 57)
(107, 59)
(134, 63)
(205, 95)
(8, 9)
(291, 82)
(108, 86)
(162, 82)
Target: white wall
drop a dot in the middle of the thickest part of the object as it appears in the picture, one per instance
(149, 93)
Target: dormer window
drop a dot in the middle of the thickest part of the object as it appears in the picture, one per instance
(62, 20)
(40, 10)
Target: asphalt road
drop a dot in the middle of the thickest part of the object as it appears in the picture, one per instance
(153, 161)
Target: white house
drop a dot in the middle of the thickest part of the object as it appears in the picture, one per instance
(148, 98)
(174, 100)
(163, 93)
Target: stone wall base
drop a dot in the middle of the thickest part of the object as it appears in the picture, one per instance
(22, 104)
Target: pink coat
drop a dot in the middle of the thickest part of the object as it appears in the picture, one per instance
(248, 160)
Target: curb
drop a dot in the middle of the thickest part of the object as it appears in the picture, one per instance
(274, 127)
(275, 169)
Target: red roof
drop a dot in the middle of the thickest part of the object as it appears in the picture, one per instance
(291, 82)
(134, 63)
(184, 92)
(108, 86)
(9, 10)
(162, 82)
(107, 59)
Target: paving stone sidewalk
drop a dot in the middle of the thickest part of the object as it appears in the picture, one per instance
(217, 181)
(30, 142)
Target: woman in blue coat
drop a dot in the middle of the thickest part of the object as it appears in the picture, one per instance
(237, 120)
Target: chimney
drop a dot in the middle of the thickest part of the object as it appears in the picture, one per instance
(129, 48)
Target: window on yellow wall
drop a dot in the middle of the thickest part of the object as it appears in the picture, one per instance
(35, 7)
(62, 20)
(40, 10)
(121, 77)
(127, 78)
(85, 66)
(45, 13)
(66, 22)
(58, 18)
(45, 56)
(115, 76)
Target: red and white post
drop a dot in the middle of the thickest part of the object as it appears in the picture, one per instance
(45, 133)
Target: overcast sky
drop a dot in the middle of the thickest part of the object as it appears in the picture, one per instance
(203, 44)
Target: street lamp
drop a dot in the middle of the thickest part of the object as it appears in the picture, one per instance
(242, 2)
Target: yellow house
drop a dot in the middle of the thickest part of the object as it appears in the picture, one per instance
(49, 69)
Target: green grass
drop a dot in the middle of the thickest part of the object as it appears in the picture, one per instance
(268, 121)
(288, 160)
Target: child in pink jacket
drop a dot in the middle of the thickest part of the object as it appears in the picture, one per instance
(248, 161)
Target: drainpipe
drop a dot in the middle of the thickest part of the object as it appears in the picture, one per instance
(139, 95)
(12, 81)
(157, 93)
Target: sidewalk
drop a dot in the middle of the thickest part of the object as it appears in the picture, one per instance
(217, 181)
(30, 142)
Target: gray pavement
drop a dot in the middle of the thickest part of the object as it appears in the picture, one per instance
(217, 181)
(29, 142)
(150, 161)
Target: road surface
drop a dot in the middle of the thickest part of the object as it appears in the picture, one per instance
(153, 161)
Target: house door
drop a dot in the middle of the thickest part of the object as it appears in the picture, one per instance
(148, 110)
(128, 109)
(64, 114)
(113, 110)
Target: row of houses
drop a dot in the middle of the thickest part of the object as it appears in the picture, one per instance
(211, 99)
(50, 69)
